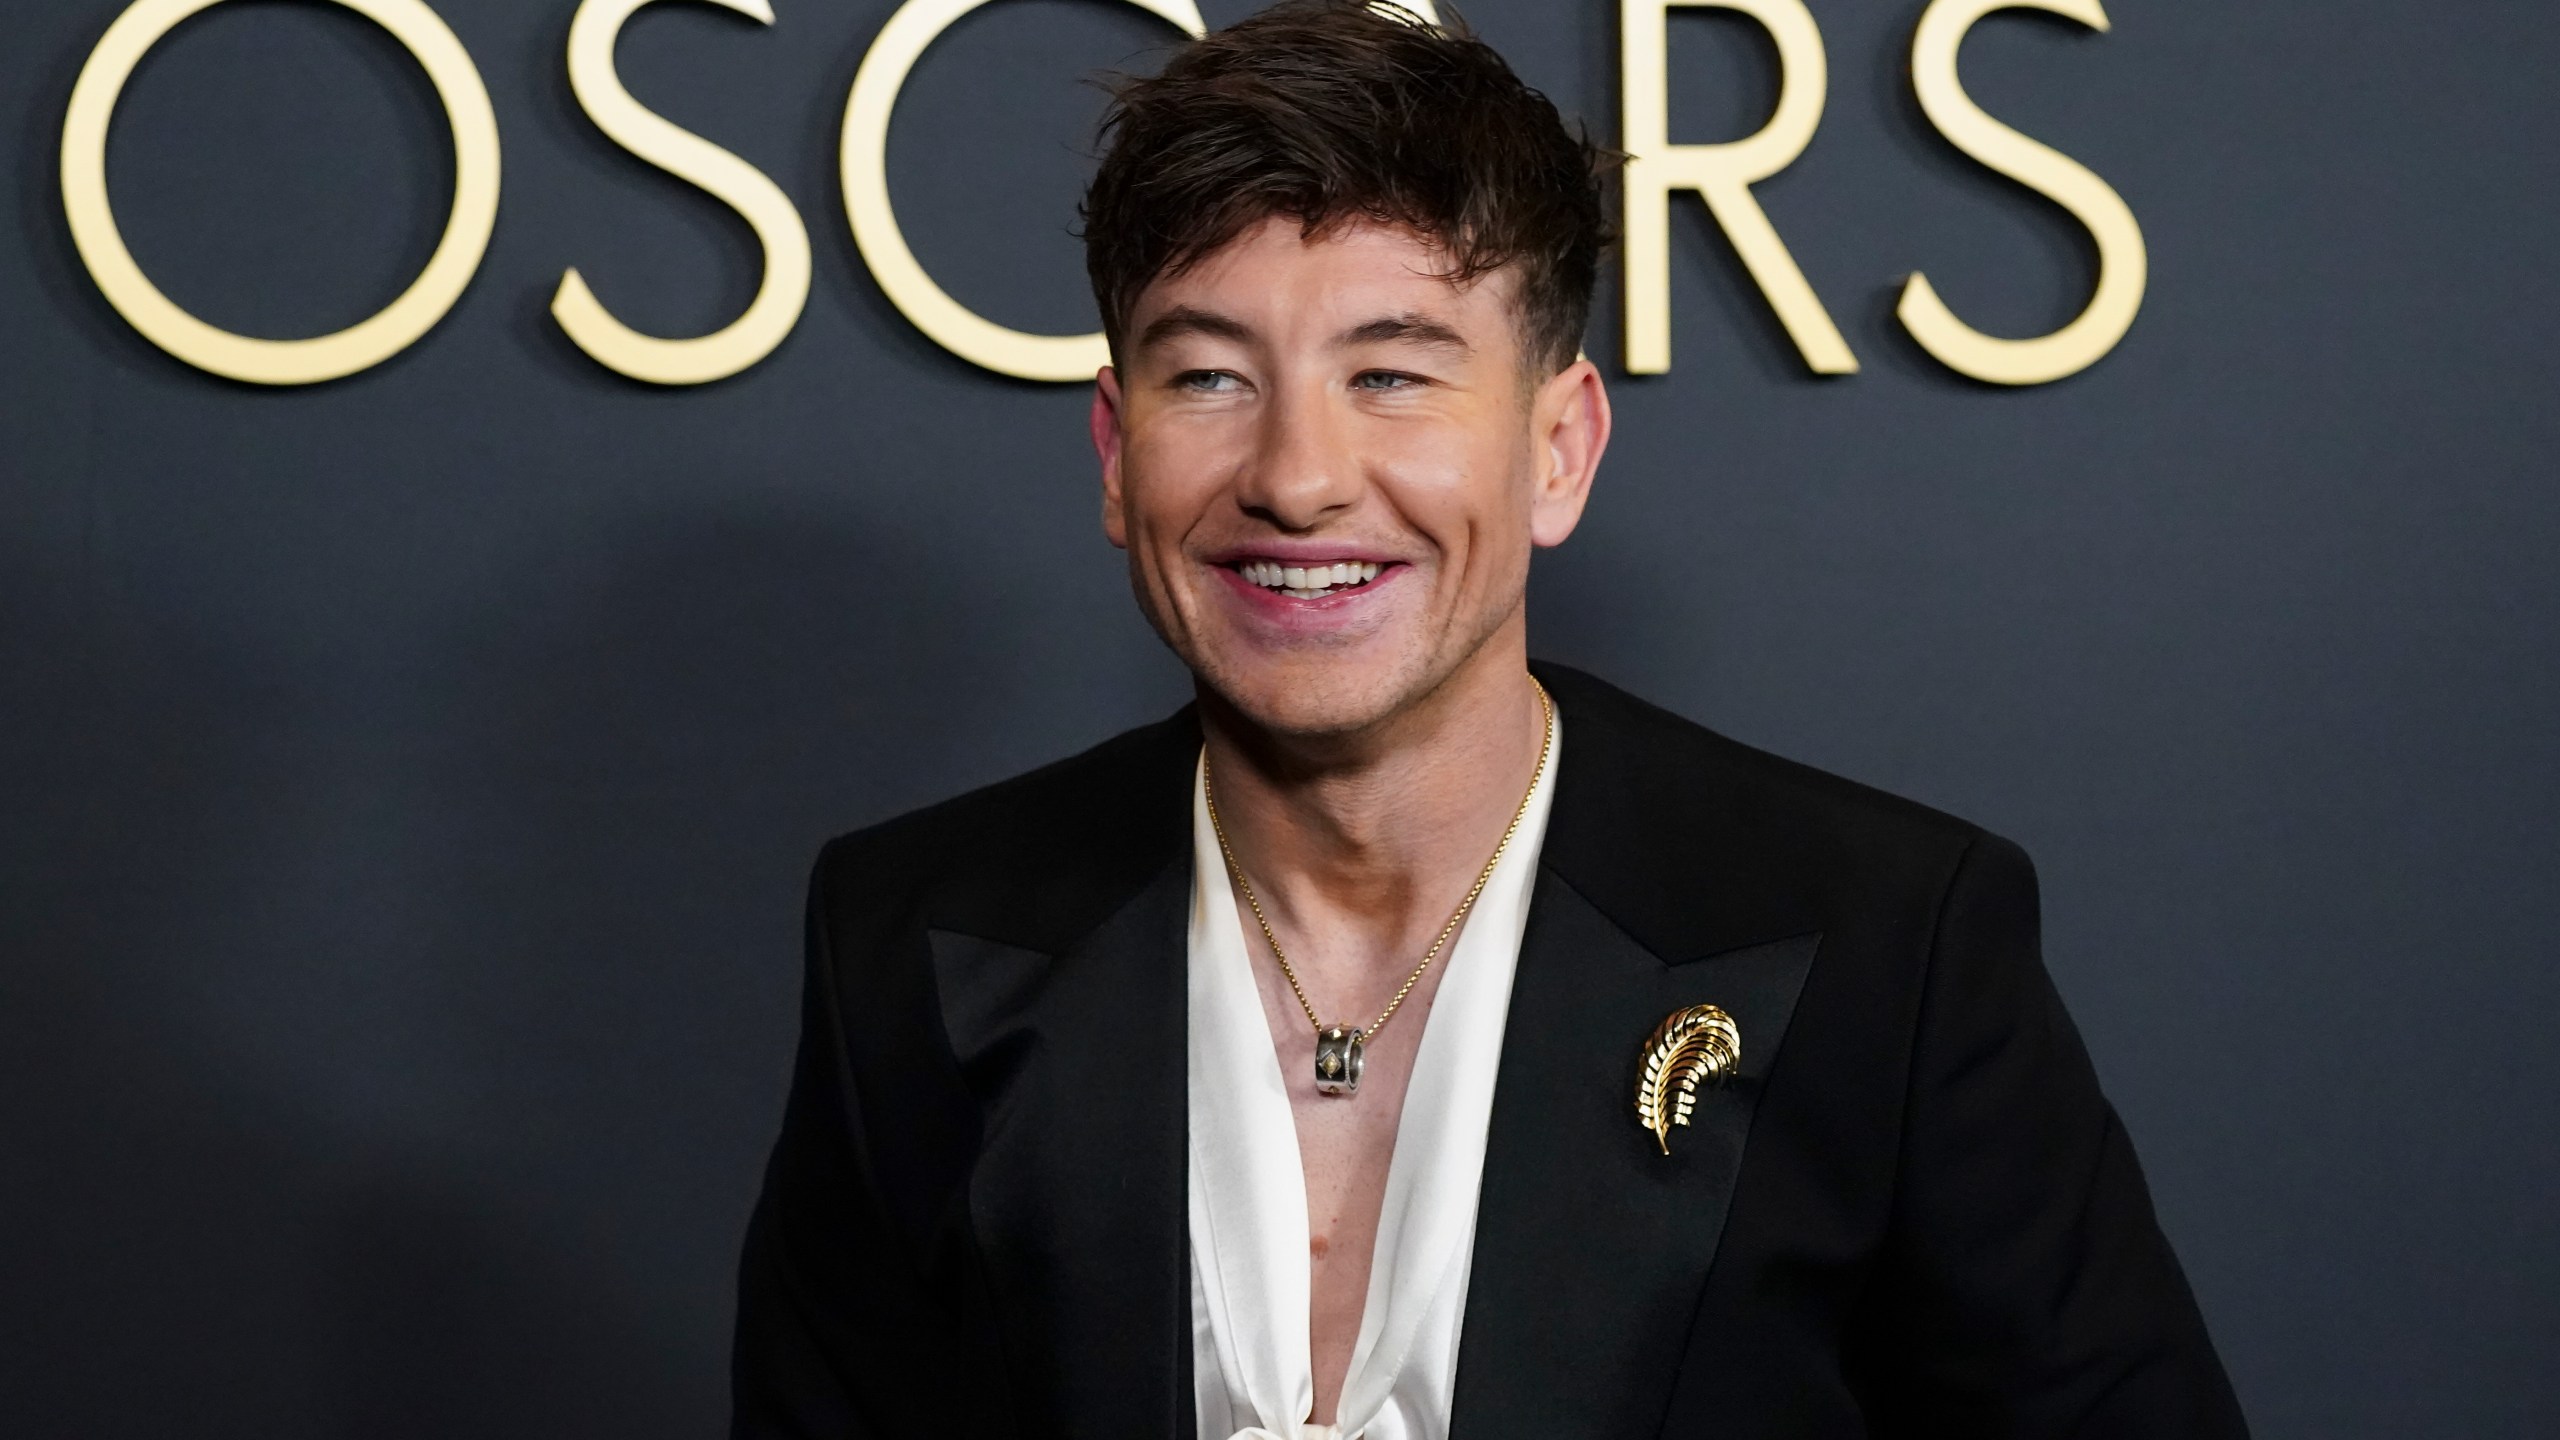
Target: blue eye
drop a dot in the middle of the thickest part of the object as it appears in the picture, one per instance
(1206, 380)
(1383, 380)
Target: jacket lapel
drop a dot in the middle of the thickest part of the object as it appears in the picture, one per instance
(1069, 1032)
(1077, 1197)
(1592, 1247)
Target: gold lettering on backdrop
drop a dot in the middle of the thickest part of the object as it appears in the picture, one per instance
(2124, 265)
(1723, 174)
(952, 325)
(280, 362)
(744, 188)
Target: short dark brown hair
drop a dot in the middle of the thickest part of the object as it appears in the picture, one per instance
(1331, 111)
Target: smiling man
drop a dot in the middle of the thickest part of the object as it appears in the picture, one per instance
(1403, 1041)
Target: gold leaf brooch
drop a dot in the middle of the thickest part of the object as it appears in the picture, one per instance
(1699, 1044)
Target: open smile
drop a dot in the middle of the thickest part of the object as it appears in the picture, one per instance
(1307, 582)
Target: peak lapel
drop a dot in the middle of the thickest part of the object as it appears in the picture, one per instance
(1591, 1245)
(1077, 1196)
(1069, 1035)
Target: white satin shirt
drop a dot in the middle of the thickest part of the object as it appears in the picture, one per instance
(1252, 1375)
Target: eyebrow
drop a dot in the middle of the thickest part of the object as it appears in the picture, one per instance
(1184, 320)
(1410, 328)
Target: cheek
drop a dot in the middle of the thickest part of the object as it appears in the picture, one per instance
(1471, 502)
(1169, 480)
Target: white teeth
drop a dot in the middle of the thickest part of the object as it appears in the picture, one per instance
(1308, 582)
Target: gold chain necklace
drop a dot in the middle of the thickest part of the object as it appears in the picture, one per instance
(1338, 1047)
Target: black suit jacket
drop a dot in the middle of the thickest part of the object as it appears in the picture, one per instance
(1913, 1214)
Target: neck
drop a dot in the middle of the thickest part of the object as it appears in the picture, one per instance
(1380, 832)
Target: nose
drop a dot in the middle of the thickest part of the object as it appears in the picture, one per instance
(1305, 467)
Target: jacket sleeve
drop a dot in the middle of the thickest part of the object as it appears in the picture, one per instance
(822, 1276)
(2026, 1289)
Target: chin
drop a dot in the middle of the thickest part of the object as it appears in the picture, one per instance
(1296, 717)
(1332, 696)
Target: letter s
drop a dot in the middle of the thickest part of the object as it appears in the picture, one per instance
(744, 188)
(2123, 264)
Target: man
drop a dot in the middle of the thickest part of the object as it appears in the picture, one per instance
(1401, 1042)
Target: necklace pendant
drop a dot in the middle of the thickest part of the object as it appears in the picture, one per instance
(1338, 1060)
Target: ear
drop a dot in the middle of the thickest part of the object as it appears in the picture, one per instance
(1568, 431)
(1105, 424)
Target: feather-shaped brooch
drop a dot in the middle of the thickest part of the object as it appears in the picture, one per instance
(1699, 1045)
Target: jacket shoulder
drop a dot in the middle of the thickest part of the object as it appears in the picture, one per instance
(1684, 753)
(1662, 808)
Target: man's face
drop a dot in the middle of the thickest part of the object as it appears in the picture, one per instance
(1329, 465)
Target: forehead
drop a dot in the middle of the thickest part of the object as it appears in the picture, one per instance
(1281, 283)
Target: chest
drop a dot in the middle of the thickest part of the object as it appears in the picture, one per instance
(1346, 1142)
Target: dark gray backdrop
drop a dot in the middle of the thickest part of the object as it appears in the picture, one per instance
(407, 783)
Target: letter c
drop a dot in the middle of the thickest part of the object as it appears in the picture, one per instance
(954, 326)
(957, 328)
(281, 362)
(2124, 266)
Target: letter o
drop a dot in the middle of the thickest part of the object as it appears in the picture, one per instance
(281, 362)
